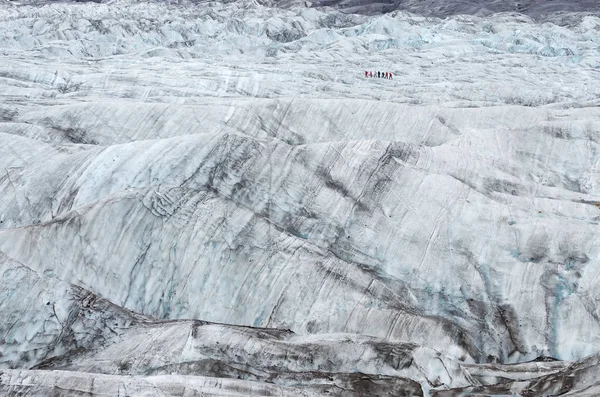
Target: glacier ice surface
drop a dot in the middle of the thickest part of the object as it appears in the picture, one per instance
(213, 199)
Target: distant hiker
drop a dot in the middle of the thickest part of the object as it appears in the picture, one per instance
(366, 73)
(378, 74)
(386, 75)
(391, 75)
(370, 74)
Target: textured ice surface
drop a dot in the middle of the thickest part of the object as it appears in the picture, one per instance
(540, 9)
(196, 194)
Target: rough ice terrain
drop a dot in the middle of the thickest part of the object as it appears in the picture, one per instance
(211, 199)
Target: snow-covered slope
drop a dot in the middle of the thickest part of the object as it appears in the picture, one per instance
(216, 191)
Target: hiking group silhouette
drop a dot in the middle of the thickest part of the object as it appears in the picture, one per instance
(379, 75)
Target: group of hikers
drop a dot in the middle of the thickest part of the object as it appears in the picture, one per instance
(380, 75)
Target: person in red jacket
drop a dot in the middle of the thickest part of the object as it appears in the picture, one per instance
(366, 74)
(386, 75)
(391, 75)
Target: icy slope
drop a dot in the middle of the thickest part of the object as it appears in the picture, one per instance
(230, 164)
(44, 317)
(50, 324)
(307, 216)
(260, 354)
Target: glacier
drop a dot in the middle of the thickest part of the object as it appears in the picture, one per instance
(209, 198)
